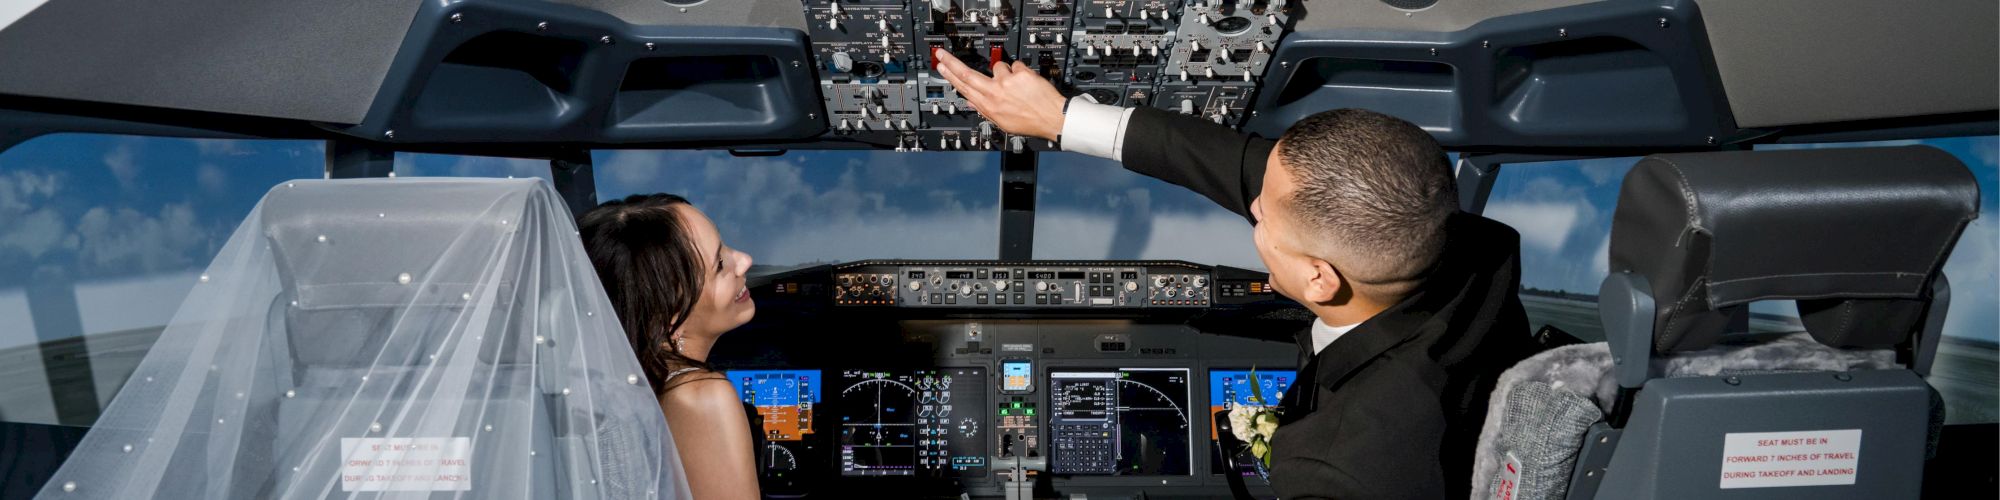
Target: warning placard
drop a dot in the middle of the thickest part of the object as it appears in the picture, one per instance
(406, 464)
(1802, 458)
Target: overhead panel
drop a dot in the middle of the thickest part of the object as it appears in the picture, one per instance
(1789, 62)
(537, 73)
(880, 87)
(1591, 75)
(313, 61)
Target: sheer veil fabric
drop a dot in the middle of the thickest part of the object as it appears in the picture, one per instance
(388, 338)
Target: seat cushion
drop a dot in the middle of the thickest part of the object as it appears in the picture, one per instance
(1536, 401)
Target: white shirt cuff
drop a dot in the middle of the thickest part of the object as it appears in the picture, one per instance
(1095, 129)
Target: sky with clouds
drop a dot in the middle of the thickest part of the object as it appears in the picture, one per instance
(126, 221)
(1563, 211)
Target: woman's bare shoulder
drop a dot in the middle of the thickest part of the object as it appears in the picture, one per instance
(702, 394)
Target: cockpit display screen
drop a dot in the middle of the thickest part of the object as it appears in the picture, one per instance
(1126, 421)
(785, 400)
(911, 422)
(1228, 389)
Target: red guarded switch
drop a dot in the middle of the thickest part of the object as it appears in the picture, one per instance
(997, 55)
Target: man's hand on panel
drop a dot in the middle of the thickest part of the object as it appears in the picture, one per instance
(1016, 99)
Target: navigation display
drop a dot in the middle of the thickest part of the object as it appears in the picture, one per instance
(911, 422)
(1230, 388)
(786, 400)
(1124, 421)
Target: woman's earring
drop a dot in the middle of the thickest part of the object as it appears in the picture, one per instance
(680, 343)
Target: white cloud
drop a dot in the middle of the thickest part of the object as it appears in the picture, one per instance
(124, 240)
(120, 160)
(212, 179)
(1601, 259)
(1986, 151)
(35, 234)
(1603, 172)
(221, 147)
(1543, 226)
(31, 227)
(1216, 237)
(1974, 270)
(489, 166)
(931, 236)
(632, 168)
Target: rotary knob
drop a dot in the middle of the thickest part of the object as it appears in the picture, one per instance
(1000, 285)
(916, 285)
(1131, 286)
(1159, 282)
(1041, 286)
(843, 62)
(1201, 281)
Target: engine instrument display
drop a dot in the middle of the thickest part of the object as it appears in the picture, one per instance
(1125, 421)
(911, 422)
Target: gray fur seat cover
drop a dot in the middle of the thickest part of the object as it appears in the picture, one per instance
(1546, 415)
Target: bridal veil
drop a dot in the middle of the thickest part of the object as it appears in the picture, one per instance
(388, 338)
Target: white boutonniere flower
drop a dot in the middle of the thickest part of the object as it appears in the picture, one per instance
(1255, 423)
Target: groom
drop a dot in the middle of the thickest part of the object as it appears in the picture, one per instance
(1356, 217)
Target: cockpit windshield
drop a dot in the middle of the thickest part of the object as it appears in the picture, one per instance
(815, 207)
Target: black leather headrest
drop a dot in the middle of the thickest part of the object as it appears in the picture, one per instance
(1854, 235)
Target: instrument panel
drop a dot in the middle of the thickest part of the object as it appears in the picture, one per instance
(910, 422)
(864, 380)
(876, 68)
(1013, 286)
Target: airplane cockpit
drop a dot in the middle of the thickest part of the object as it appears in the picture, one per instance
(1756, 239)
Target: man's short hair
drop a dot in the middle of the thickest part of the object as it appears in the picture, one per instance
(1374, 191)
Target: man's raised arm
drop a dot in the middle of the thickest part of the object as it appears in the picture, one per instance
(1211, 159)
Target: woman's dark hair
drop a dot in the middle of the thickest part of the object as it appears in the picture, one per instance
(652, 271)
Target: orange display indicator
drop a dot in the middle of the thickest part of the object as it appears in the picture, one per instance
(1256, 287)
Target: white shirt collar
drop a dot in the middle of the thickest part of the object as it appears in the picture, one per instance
(1324, 334)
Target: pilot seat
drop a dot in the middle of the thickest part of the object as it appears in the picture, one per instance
(1683, 400)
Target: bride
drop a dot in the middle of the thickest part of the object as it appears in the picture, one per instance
(676, 288)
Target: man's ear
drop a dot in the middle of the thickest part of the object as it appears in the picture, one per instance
(1326, 286)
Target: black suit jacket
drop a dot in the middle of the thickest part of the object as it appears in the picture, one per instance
(1395, 405)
